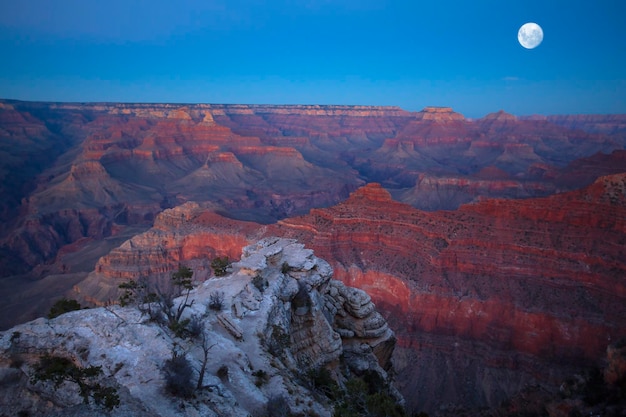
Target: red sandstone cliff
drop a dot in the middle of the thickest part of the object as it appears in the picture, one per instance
(484, 299)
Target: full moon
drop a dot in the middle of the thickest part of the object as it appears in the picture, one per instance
(530, 35)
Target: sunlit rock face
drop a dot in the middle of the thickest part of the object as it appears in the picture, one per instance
(261, 344)
(92, 172)
(487, 298)
(100, 193)
(483, 300)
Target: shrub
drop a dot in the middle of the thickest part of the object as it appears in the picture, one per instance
(220, 266)
(279, 341)
(277, 406)
(358, 400)
(58, 370)
(259, 282)
(178, 373)
(285, 268)
(129, 296)
(194, 327)
(15, 337)
(179, 328)
(222, 372)
(322, 380)
(63, 306)
(216, 300)
(138, 292)
(261, 377)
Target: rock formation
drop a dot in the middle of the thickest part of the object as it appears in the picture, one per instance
(487, 298)
(263, 343)
(91, 172)
(101, 193)
(483, 300)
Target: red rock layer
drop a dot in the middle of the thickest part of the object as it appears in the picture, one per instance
(611, 124)
(513, 253)
(526, 285)
(484, 299)
(129, 162)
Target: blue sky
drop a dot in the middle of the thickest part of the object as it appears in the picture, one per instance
(412, 54)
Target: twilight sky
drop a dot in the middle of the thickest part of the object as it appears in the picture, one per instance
(408, 53)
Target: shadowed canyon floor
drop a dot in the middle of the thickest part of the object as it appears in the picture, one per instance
(523, 285)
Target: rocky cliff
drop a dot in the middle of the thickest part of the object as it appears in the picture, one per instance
(484, 300)
(466, 288)
(611, 124)
(490, 297)
(258, 352)
(94, 171)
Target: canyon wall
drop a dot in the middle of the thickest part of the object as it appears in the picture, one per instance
(96, 170)
(484, 300)
(490, 289)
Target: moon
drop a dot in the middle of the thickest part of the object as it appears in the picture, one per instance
(530, 35)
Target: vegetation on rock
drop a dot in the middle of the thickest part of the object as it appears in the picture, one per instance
(216, 300)
(63, 306)
(220, 266)
(178, 375)
(58, 369)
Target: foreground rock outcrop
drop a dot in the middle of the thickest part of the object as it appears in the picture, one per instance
(282, 319)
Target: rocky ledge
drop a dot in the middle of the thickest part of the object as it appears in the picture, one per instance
(282, 322)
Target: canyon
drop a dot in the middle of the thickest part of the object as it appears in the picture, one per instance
(484, 300)
(493, 247)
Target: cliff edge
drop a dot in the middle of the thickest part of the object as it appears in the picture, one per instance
(285, 333)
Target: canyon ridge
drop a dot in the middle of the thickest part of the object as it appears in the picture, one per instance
(493, 247)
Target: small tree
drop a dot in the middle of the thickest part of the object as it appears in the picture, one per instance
(140, 293)
(63, 306)
(159, 303)
(58, 370)
(220, 266)
(182, 284)
(205, 358)
(259, 282)
(178, 373)
(129, 296)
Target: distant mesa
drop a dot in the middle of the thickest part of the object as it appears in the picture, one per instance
(500, 115)
(439, 114)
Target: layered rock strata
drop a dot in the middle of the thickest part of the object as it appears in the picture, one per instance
(484, 299)
(487, 298)
(93, 171)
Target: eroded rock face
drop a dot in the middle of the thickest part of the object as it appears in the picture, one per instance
(484, 300)
(487, 298)
(479, 279)
(327, 321)
(299, 318)
(114, 167)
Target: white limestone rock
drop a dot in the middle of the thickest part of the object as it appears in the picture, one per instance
(301, 318)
